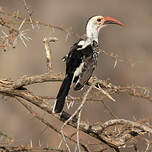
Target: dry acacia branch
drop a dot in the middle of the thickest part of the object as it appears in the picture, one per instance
(6, 85)
(129, 130)
(128, 123)
(15, 89)
(15, 16)
(137, 91)
(28, 96)
(48, 51)
(11, 23)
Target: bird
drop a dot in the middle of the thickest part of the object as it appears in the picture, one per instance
(81, 60)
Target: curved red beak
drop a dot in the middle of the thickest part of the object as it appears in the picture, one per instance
(110, 20)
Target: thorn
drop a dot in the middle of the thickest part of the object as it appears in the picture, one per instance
(72, 103)
(67, 36)
(53, 30)
(38, 26)
(31, 23)
(60, 144)
(4, 34)
(23, 40)
(108, 95)
(31, 144)
(15, 42)
(116, 61)
(22, 37)
(134, 91)
(134, 118)
(47, 146)
(40, 143)
(21, 25)
(68, 105)
(76, 148)
(146, 92)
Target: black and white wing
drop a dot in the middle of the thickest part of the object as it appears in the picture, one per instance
(80, 64)
(73, 60)
(90, 62)
(88, 68)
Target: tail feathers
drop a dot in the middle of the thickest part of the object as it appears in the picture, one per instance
(63, 92)
(58, 105)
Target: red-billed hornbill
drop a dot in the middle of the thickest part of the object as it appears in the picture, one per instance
(82, 59)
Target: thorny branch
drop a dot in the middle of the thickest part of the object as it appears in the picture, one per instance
(16, 89)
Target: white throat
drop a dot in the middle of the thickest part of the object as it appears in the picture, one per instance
(92, 32)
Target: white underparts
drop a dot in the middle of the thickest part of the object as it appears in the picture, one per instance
(78, 70)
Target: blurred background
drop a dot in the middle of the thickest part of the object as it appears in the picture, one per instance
(132, 43)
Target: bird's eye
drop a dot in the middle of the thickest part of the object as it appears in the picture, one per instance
(99, 19)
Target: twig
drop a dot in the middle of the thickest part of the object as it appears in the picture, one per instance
(105, 93)
(148, 145)
(49, 52)
(29, 13)
(130, 123)
(78, 126)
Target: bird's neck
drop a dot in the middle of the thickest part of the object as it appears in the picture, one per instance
(92, 33)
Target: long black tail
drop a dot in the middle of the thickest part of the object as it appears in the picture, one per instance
(63, 92)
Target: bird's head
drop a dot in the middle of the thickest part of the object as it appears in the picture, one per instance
(95, 23)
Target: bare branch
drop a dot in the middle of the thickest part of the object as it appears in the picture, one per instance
(49, 52)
